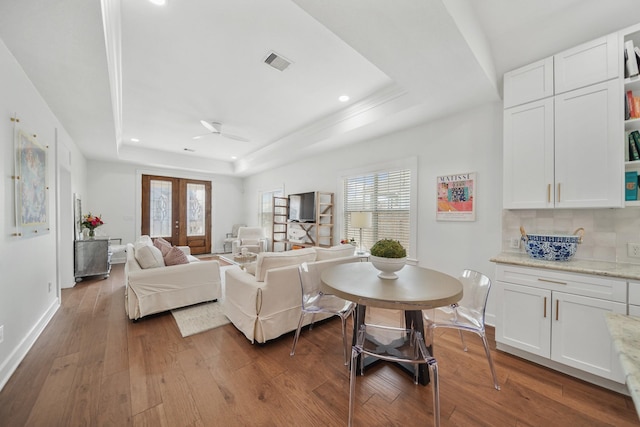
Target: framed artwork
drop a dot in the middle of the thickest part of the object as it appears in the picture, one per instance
(456, 197)
(32, 189)
(77, 213)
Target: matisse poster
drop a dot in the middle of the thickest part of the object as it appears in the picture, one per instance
(456, 197)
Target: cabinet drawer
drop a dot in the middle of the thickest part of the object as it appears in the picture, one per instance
(528, 83)
(572, 283)
(584, 65)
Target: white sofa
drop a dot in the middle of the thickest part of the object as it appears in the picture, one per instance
(266, 303)
(162, 288)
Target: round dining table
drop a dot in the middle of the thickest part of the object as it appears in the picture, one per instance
(414, 290)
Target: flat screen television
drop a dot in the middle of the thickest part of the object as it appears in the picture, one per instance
(302, 207)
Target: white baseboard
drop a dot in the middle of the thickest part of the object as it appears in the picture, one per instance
(10, 365)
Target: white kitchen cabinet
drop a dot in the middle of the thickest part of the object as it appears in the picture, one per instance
(589, 171)
(529, 83)
(634, 298)
(524, 318)
(578, 325)
(589, 63)
(567, 155)
(528, 156)
(559, 316)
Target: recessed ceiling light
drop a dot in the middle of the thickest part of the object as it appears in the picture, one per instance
(234, 157)
(159, 2)
(135, 140)
(191, 150)
(343, 98)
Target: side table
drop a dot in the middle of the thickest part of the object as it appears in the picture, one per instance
(243, 260)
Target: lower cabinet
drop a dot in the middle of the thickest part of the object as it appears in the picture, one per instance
(560, 316)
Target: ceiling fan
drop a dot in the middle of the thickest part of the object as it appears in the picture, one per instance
(215, 128)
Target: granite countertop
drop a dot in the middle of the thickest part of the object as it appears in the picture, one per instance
(625, 333)
(599, 268)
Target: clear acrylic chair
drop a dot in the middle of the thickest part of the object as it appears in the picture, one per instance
(403, 346)
(467, 314)
(315, 301)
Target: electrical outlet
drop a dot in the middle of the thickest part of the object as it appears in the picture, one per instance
(514, 243)
(1, 333)
(633, 250)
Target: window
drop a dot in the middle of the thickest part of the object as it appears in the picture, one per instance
(266, 210)
(389, 196)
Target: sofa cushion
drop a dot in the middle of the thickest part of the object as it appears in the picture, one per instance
(268, 260)
(175, 256)
(149, 256)
(163, 245)
(339, 251)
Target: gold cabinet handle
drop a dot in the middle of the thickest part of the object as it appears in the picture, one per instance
(558, 192)
(548, 193)
(545, 307)
(557, 308)
(551, 281)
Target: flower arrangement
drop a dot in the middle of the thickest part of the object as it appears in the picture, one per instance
(91, 222)
(351, 241)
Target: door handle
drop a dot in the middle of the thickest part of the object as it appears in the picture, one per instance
(545, 307)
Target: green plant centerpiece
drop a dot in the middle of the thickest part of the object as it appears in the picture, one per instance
(388, 256)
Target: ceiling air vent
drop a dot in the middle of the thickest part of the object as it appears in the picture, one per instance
(277, 61)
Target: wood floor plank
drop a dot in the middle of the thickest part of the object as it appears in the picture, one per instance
(93, 366)
(49, 408)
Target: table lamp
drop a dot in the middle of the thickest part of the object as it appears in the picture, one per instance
(361, 220)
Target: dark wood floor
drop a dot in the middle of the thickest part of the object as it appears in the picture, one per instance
(92, 366)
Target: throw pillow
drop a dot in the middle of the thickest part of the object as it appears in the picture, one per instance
(339, 251)
(163, 245)
(149, 257)
(268, 260)
(175, 256)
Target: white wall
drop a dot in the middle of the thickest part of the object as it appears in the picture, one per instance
(27, 264)
(468, 142)
(114, 192)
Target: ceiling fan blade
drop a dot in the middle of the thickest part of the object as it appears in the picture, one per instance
(209, 126)
(203, 135)
(235, 137)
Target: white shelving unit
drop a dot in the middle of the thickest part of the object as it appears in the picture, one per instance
(318, 233)
(630, 84)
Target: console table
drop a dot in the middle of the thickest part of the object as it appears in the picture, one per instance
(92, 257)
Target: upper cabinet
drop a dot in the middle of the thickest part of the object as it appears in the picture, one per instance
(562, 147)
(587, 64)
(529, 83)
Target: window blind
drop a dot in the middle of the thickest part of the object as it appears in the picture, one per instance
(387, 195)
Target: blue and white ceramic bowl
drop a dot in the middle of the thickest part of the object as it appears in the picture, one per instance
(552, 247)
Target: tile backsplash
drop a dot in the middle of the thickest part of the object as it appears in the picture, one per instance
(606, 231)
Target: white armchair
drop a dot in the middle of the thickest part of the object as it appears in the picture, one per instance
(252, 238)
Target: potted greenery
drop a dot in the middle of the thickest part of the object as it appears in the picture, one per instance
(388, 256)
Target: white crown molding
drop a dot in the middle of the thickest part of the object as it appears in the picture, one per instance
(112, 25)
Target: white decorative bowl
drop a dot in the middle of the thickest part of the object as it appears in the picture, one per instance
(388, 266)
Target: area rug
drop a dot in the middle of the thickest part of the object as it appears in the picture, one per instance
(199, 318)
